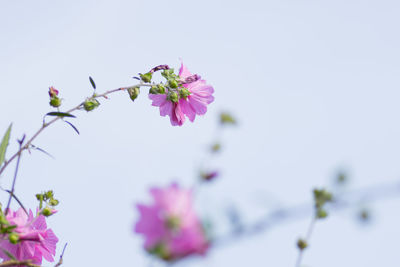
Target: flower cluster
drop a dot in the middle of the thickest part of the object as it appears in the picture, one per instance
(183, 95)
(170, 225)
(30, 239)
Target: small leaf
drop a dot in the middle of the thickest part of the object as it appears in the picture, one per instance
(42, 150)
(73, 126)
(92, 82)
(11, 256)
(4, 144)
(60, 114)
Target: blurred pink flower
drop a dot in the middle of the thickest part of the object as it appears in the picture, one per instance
(170, 225)
(195, 103)
(35, 240)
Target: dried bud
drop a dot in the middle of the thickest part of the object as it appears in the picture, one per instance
(133, 92)
(53, 92)
(159, 67)
(208, 176)
(191, 79)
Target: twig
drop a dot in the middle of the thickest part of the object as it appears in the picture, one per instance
(45, 125)
(302, 211)
(15, 175)
(61, 256)
(18, 263)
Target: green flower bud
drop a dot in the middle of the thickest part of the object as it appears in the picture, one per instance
(173, 222)
(168, 73)
(153, 90)
(173, 97)
(90, 104)
(146, 77)
(302, 244)
(226, 118)
(321, 214)
(216, 147)
(49, 194)
(55, 102)
(13, 238)
(47, 211)
(184, 93)
(161, 89)
(53, 202)
(161, 251)
(173, 83)
(133, 92)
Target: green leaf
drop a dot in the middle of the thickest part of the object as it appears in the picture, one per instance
(4, 144)
(60, 114)
(92, 82)
(11, 256)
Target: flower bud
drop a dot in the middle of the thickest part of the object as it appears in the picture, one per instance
(146, 77)
(133, 92)
(208, 176)
(321, 214)
(302, 244)
(159, 67)
(13, 238)
(173, 97)
(48, 211)
(55, 102)
(53, 92)
(226, 118)
(184, 93)
(153, 90)
(90, 104)
(173, 222)
(173, 83)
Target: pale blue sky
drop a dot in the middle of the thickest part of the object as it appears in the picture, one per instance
(314, 84)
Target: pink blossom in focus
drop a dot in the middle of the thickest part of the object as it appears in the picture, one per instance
(36, 241)
(194, 104)
(170, 226)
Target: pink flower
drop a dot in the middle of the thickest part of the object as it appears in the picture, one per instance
(35, 240)
(190, 103)
(170, 225)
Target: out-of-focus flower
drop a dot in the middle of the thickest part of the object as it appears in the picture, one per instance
(170, 225)
(34, 240)
(190, 98)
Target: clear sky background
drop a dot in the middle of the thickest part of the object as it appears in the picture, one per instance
(314, 85)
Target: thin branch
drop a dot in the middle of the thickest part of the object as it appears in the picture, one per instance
(15, 175)
(289, 214)
(45, 125)
(61, 256)
(307, 239)
(18, 263)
